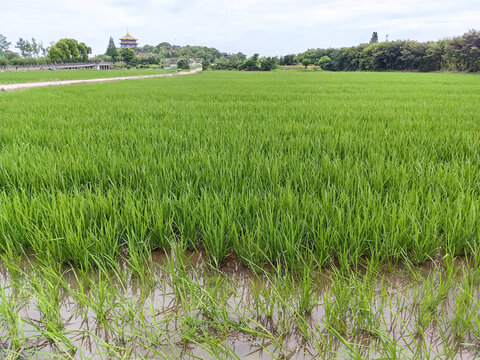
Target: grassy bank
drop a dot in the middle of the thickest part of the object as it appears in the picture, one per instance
(18, 77)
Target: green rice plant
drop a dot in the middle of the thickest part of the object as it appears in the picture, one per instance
(45, 287)
(103, 299)
(18, 77)
(364, 317)
(154, 329)
(475, 329)
(466, 306)
(324, 344)
(390, 348)
(307, 293)
(337, 304)
(262, 299)
(341, 182)
(176, 268)
(429, 296)
(10, 321)
(448, 347)
(351, 349)
(216, 227)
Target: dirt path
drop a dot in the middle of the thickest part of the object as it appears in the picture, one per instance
(9, 87)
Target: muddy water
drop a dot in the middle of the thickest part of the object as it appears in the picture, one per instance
(125, 311)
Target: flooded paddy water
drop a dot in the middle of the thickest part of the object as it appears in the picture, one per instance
(181, 308)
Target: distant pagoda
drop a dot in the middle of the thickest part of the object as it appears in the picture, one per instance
(128, 41)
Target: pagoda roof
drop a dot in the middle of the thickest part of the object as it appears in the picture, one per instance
(128, 37)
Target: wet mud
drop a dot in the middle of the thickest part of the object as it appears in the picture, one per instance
(127, 309)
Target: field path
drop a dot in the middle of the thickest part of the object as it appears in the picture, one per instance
(9, 87)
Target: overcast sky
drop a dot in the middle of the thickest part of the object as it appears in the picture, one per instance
(268, 27)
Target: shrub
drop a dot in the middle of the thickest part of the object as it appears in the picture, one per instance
(183, 64)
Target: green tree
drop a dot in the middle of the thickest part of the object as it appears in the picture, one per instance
(463, 52)
(413, 56)
(43, 50)
(434, 56)
(268, 64)
(63, 48)
(306, 62)
(83, 51)
(288, 60)
(72, 48)
(4, 44)
(127, 55)
(374, 38)
(241, 56)
(149, 49)
(183, 64)
(324, 62)
(69, 50)
(165, 45)
(25, 48)
(251, 64)
(55, 54)
(205, 64)
(112, 50)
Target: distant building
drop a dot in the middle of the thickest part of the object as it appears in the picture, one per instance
(4, 54)
(8, 52)
(128, 41)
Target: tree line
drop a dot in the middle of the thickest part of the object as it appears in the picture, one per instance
(460, 53)
(211, 57)
(156, 54)
(165, 50)
(32, 52)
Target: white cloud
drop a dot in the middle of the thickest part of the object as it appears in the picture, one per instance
(270, 27)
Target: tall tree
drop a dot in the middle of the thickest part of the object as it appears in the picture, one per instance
(83, 51)
(374, 38)
(35, 46)
(4, 44)
(268, 63)
(251, 63)
(324, 62)
(306, 62)
(25, 47)
(43, 50)
(112, 50)
(55, 54)
(288, 60)
(128, 55)
(69, 50)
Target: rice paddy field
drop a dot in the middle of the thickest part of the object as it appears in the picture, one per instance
(236, 215)
(17, 77)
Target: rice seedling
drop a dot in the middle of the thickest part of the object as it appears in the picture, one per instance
(365, 317)
(11, 323)
(337, 305)
(466, 306)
